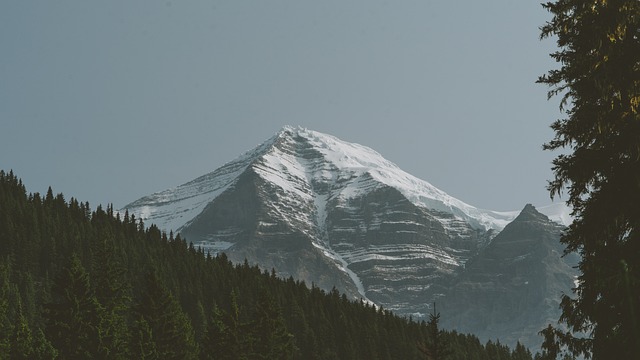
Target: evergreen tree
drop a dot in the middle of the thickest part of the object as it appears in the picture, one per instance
(271, 340)
(215, 341)
(6, 326)
(42, 349)
(79, 305)
(160, 315)
(22, 340)
(143, 346)
(112, 292)
(234, 337)
(435, 346)
(73, 316)
(599, 80)
(26, 344)
(520, 352)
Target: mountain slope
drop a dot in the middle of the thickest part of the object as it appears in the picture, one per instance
(512, 288)
(307, 195)
(338, 214)
(294, 159)
(114, 266)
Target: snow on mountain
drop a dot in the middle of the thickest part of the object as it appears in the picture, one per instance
(171, 209)
(334, 213)
(174, 208)
(358, 160)
(557, 212)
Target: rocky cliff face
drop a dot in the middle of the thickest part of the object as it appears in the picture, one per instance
(338, 214)
(511, 289)
(402, 253)
(328, 212)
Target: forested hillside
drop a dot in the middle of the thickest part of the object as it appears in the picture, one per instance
(77, 283)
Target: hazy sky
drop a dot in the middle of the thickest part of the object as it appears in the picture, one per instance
(113, 100)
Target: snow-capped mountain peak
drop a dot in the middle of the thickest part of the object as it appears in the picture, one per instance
(334, 213)
(348, 169)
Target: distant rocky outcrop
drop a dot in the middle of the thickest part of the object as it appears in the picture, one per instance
(511, 289)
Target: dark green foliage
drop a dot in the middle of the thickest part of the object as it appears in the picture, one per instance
(435, 347)
(113, 293)
(73, 315)
(270, 338)
(520, 353)
(105, 287)
(6, 327)
(215, 342)
(143, 345)
(160, 316)
(21, 339)
(599, 80)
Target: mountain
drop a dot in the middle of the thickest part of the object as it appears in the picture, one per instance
(333, 213)
(511, 289)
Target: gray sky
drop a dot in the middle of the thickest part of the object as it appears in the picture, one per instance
(110, 101)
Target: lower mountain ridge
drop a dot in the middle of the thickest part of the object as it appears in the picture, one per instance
(511, 289)
(338, 214)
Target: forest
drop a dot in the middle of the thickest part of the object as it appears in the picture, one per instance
(77, 283)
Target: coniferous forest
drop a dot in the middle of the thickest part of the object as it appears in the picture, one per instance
(77, 283)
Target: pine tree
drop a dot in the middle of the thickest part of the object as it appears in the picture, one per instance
(520, 352)
(112, 292)
(271, 340)
(435, 346)
(42, 349)
(77, 303)
(169, 327)
(235, 340)
(6, 326)
(22, 340)
(142, 344)
(215, 341)
(73, 315)
(599, 80)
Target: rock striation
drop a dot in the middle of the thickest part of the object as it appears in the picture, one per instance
(337, 214)
(512, 288)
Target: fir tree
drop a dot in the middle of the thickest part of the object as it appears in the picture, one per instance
(143, 345)
(435, 346)
(27, 344)
(520, 352)
(235, 340)
(599, 80)
(6, 326)
(215, 341)
(271, 340)
(170, 329)
(42, 349)
(22, 340)
(112, 292)
(73, 316)
(252, 302)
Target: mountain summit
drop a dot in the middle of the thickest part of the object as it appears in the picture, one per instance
(334, 214)
(360, 213)
(314, 166)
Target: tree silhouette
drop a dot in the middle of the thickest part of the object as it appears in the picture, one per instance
(599, 80)
(435, 346)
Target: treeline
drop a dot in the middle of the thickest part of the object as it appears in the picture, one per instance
(82, 284)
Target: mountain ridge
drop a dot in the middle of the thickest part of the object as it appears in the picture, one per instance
(511, 289)
(308, 178)
(223, 178)
(335, 214)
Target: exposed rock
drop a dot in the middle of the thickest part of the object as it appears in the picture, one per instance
(339, 215)
(512, 288)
